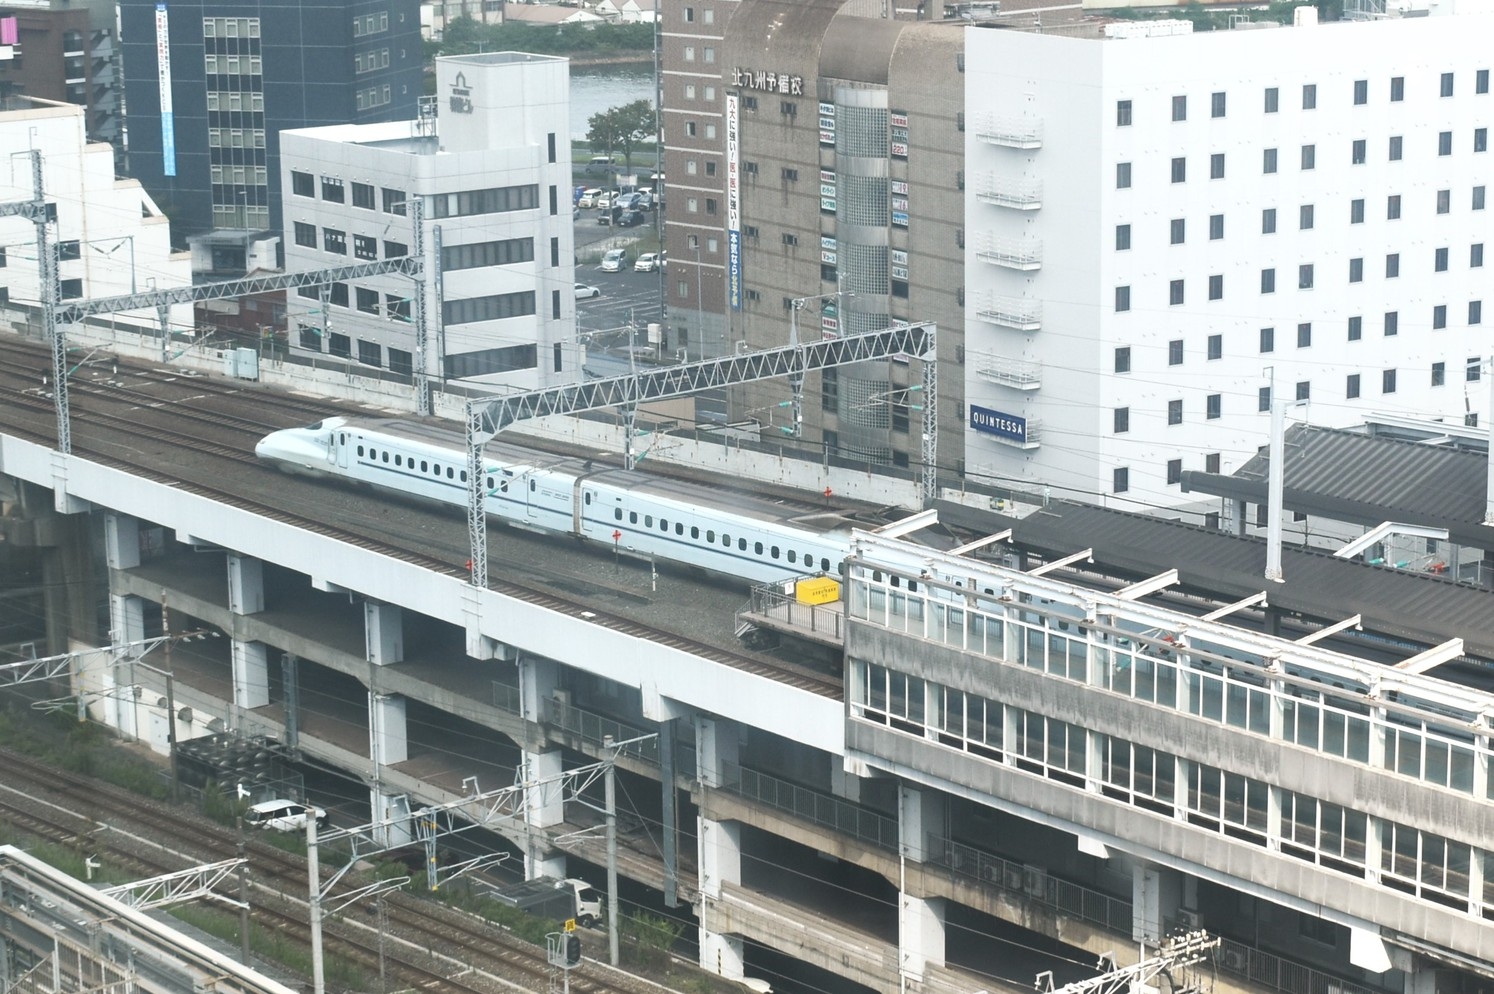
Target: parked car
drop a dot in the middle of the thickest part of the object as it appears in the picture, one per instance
(604, 216)
(614, 260)
(604, 199)
(601, 164)
(647, 263)
(589, 198)
(585, 292)
(630, 219)
(284, 816)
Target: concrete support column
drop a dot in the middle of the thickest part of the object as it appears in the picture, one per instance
(121, 541)
(388, 743)
(921, 822)
(383, 633)
(127, 624)
(844, 783)
(538, 678)
(246, 584)
(719, 856)
(715, 751)
(544, 806)
(1157, 893)
(251, 674)
(920, 935)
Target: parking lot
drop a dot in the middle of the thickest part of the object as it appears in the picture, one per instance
(626, 296)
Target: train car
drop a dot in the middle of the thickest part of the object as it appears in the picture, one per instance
(733, 534)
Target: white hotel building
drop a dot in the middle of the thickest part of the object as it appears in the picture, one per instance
(1160, 227)
(492, 167)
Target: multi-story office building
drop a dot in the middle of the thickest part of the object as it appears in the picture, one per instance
(489, 160)
(1169, 230)
(111, 238)
(69, 53)
(814, 188)
(210, 86)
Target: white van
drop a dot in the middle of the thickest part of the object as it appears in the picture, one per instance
(601, 164)
(284, 816)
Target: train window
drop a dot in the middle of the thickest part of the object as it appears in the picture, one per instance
(726, 540)
(876, 576)
(502, 485)
(632, 517)
(425, 467)
(741, 545)
(342, 438)
(617, 513)
(897, 581)
(531, 486)
(773, 552)
(398, 461)
(913, 585)
(586, 498)
(793, 556)
(490, 485)
(663, 525)
(648, 521)
(711, 537)
(679, 529)
(694, 532)
(384, 456)
(360, 452)
(758, 548)
(449, 474)
(824, 565)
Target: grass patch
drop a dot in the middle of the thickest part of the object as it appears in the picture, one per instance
(337, 970)
(60, 739)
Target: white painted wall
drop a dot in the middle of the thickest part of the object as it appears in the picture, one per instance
(517, 103)
(1072, 86)
(124, 239)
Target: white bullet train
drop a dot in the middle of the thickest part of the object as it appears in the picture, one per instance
(732, 534)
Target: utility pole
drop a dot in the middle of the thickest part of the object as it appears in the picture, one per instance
(609, 781)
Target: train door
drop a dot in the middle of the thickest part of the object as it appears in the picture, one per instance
(337, 448)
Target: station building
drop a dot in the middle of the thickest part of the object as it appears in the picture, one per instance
(492, 171)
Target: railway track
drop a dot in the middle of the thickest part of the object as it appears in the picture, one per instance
(431, 946)
(36, 402)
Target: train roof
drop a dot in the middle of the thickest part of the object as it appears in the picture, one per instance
(806, 514)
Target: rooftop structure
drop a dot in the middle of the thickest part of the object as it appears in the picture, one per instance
(489, 160)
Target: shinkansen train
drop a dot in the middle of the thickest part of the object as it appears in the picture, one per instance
(732, 534)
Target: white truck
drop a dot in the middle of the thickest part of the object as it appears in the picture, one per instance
(555, 900)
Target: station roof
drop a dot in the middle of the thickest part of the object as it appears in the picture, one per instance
(1421, 608)
(1367, 479)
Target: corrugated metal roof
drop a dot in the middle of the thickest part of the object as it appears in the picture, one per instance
(1401, 477)
(1418, 607)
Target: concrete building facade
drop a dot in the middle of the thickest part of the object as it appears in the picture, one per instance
(110, 237)
(1170, 229)
(68, 53)
(210, 87)
(490, 163)
(814, 155)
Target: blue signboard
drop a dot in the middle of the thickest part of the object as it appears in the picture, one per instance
(1007, 426)
(734, 269)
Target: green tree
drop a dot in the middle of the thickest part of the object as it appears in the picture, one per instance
(634, 124)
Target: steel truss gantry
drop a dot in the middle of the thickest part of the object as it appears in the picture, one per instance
(1178, 953)
(52, 667)
(174, 888)
(486, 417)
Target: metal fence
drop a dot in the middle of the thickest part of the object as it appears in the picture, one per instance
(506, 698)
(1268, 970)
(814, 806)
(1033, 883)
(594, 728)
(784, 607)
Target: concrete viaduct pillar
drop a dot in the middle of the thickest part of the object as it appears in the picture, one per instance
(1157, 893)
(718, 845)
(126, 624)
(543, 806)
(388, 732)
(920, 921)
(251, 667)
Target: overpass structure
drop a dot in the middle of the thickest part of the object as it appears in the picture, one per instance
(995, 757)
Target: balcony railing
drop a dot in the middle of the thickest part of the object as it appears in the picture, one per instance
(1019, 374)
(1022, 195)
(1020, 313)
(814, 806)
(1013, 253)
(1011, 132)
(1033, 883)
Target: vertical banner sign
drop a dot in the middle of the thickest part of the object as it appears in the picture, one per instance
(733, 205)
(898, 123)
(827, 124)
(163, 76)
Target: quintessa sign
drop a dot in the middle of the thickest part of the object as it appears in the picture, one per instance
(761, 79)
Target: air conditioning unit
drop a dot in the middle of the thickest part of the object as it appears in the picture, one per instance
(1234, 960)
(1190, 919)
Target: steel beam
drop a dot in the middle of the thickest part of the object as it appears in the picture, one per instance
(1239, 605)
(1138, 590)
(981, 543)
(1330, 630)
(1088, 556)
(1435, 656)
(174, 888)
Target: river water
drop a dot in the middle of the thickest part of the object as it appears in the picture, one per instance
(598, 88)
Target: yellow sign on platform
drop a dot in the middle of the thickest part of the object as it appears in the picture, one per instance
(817, 590)
(570, 925)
